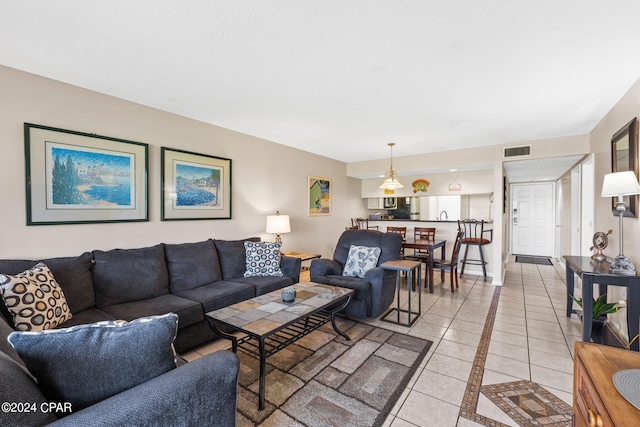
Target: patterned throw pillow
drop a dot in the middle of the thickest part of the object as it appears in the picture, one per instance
(34, 299)
(360, 260)
(86, 364)
(263, 259)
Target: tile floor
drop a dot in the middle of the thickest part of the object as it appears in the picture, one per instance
(531, 339)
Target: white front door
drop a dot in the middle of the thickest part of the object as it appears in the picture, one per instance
(532, 219)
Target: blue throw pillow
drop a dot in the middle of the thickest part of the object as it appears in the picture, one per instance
(86, 364)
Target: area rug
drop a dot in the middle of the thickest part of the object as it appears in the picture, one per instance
(325, 380)
(534, 259)
(528, 404)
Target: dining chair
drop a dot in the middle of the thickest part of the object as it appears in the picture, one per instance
(451, 265)
(422, 233)
(474, 235)
(402, 231)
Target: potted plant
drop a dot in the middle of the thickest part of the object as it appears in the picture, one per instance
(600, 310)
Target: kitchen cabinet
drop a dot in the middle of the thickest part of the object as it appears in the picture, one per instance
(375, 203)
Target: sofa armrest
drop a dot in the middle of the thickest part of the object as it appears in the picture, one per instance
(290, 267)
(203, 392)
(324, 267)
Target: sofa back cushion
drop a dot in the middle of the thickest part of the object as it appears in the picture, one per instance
(125, 275)
(73, 274)
(233, 257)
(192, 265)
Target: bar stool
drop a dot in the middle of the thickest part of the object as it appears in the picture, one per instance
(474, 235)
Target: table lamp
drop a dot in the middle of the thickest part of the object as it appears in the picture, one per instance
(278, 224)
(620, 184)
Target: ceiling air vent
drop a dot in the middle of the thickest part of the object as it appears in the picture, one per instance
(523, 150)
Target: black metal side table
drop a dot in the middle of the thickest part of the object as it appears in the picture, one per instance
(409, 267)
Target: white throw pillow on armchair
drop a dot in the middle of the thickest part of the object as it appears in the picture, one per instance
(360, 260)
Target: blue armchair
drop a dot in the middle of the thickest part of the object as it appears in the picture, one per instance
(374, 292)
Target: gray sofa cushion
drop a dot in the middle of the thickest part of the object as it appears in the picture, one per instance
(19, 387)
(219, 294)
(189, 312)
(191, 265)
(72, 273)
(264, 285)
(90, 315)
(233, 257)
(85, 364)
(125, 275)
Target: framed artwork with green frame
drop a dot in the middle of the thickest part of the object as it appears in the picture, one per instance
(194, 186)
(75, 177)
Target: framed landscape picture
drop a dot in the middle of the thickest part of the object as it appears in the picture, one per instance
(74, 177)
(194, 186)
(319, 196)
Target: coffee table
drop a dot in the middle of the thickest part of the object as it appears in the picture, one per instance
(269, 325)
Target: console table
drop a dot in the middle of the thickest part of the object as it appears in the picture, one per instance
(598, 272)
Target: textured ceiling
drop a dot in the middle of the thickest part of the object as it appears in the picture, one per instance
(344, 78)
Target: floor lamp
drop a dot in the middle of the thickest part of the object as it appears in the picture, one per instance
(620, 184)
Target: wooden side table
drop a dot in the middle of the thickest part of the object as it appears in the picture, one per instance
(303, 256)
(409, 267)
(596, 400)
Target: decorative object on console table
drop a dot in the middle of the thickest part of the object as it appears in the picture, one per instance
(621, 184)
(194, 186)
(391, 177)
(600, 242)
(278, 224)
(84, 178)
(319, 196)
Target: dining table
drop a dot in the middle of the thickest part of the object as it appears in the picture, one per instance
(430, 246)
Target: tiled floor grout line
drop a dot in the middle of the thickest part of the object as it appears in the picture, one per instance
(472, 392)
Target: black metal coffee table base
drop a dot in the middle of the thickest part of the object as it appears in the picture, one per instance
(271, 342)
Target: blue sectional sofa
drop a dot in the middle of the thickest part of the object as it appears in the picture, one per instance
(188, 279)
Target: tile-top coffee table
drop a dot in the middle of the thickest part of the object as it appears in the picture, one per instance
(270, 324)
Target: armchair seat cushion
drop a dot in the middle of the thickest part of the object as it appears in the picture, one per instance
(361, 287)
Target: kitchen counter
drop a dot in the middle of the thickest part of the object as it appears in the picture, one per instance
(420, 220)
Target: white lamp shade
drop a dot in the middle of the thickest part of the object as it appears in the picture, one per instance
(278, 224)
(620, 184)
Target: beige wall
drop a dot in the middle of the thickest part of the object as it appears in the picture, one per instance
(266, 176)
(626, 109)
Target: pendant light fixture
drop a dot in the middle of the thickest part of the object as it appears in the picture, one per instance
(391, 177)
